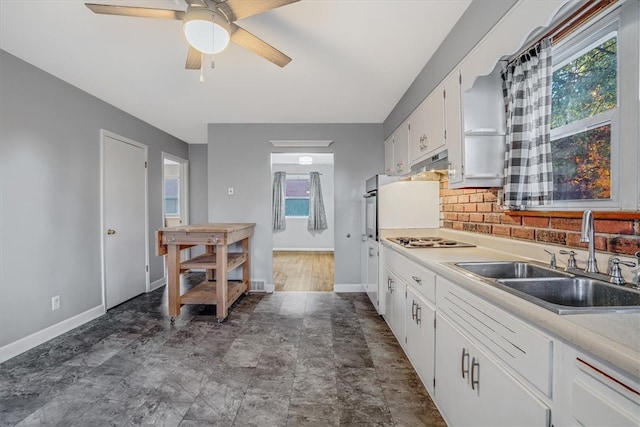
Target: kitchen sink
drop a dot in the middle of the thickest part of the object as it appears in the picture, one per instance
(555, 290)
(510, 270)
(571, 294)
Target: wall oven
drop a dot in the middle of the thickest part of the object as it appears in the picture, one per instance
(372, 186)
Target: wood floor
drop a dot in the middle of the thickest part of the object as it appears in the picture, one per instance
(303, 271)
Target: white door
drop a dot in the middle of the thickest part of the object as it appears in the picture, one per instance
(124, 213)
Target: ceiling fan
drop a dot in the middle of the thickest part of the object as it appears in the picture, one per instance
(209, 25)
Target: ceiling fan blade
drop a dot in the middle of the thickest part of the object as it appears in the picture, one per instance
(194, 59)
(250, 42)
(239, 9)
(140, 12)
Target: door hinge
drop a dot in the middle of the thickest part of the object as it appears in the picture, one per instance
(445, 134)
(405, 340)
(460, 78)
(434, 382)
(434, 323)
(145, 165)
(147, 268)
(444, 93)
(409, 126)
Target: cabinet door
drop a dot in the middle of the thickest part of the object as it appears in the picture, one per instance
(426, 133)
(420, 316)
(401, 149)
(453, 125)
(389, 165)
(472, 390)
(395, 306)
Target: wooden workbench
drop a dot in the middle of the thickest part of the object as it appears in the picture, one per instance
(216, 289)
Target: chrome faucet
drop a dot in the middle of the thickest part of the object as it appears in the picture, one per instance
(588, 236)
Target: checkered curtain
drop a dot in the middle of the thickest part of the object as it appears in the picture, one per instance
(526, 85)
(278, 214)
(317, 218)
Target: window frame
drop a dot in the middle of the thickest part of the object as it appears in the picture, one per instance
(625, 158)
(297, 177)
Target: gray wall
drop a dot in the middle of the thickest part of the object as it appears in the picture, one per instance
(239, 157)
(198, 197)
(50, 195)
(477, 20)
(296, 235)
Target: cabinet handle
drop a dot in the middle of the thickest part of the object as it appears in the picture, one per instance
(391, 282)
(417, 280)
(465, 354)
(418, 316)
(475, 381)
(413, 309)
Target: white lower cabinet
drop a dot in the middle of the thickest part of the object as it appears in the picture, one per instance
(593, 395)
(421, 338)
(395, 297)
(472, 390)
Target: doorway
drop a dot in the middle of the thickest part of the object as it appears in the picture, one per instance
(124, 219)
(175, 194)
(303, 259)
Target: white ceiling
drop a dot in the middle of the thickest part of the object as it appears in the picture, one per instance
(352, 60)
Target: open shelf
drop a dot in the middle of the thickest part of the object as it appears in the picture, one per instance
(205, 293)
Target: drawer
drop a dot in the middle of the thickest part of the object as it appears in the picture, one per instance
(410, 272)
(522, 348)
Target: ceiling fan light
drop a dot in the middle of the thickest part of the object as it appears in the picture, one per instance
(205, 35)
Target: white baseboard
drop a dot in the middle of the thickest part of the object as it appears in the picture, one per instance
(346, 287)
(27, 343)
(157, 284)
(269, 288)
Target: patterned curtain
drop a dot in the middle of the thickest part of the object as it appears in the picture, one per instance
(278, 195)
(317, 217)
(526, 85)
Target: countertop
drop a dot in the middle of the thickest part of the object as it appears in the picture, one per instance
(612, 337)
(210, 228)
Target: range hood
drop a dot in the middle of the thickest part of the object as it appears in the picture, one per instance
(437, 162)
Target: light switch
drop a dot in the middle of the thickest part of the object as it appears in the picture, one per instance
(230, 191)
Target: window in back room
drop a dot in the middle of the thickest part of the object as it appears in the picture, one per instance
(297, 196)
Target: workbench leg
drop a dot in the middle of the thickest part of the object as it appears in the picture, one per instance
(210, 249)
(173, 281)
(221, 283)
(246, 267)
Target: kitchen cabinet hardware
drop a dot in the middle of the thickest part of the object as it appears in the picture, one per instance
(475, 367)
(111, 231)
(417, 279)
(413, 310)
(418, 316)
(465, 355)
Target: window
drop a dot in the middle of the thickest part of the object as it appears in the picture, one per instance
(296, 202)
(172, 196)
(583, 116)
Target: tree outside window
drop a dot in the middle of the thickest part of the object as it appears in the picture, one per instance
(584, 104)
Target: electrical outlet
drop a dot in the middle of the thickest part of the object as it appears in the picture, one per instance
(230, 191)
(55, 303)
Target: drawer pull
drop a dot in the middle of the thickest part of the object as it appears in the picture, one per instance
(465, 355)
(475, 373)
(417, 279)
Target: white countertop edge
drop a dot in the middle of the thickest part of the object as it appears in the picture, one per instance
(601, 334)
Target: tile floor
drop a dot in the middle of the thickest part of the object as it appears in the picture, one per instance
(283, 359)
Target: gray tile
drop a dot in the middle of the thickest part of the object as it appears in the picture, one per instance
(316, 359)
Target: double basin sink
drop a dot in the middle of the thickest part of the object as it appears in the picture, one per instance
(555, 290)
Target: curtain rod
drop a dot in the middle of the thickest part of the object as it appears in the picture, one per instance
(569, 24)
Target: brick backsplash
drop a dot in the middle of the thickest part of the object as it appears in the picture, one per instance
(477, 211)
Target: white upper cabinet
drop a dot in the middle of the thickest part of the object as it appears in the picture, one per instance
(401, 149)
(453, 123)
(426, 127)
(389, 164)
